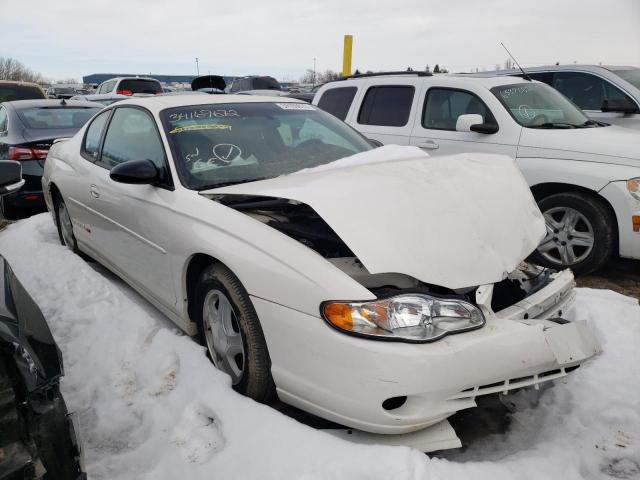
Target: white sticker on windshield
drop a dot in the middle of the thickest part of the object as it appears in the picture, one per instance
(295, 106)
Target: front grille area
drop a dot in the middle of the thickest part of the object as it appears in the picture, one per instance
(513, 383)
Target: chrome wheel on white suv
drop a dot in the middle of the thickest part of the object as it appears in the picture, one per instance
(580, 232)
(569, 238)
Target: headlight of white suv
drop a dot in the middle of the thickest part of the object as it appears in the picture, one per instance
(633, 185)
(415, 318)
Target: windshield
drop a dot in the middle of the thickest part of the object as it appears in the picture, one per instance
(9, 93)
(58, 117)
(64, 90)
(630, 75)
(536, 105)
(139, 86)
(265, 83)
(220, 144)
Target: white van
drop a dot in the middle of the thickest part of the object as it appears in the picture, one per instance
(606, 93)
(584, 174)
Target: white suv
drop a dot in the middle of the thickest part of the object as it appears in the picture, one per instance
(585, 175)
(139, 86)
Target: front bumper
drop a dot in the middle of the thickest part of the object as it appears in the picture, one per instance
(625, 207)
(346, 379)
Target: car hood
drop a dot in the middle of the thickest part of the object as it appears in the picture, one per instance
(455, 221)
(610, 144)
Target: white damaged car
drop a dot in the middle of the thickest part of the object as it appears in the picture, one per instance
(380, 289)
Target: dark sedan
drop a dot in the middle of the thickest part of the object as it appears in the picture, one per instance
(27, 130)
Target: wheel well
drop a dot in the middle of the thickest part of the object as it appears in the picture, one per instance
(53, 188)
(197, 264)
(544, 190)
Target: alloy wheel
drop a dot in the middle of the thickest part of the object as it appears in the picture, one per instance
(222, 334)
(570, 237)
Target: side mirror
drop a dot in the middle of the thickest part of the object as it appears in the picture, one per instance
(137, 172)
(620, 106)
(10, 176)
(472, 122)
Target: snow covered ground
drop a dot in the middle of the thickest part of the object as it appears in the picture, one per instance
(151, 406)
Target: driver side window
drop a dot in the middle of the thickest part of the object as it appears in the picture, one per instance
(131, 135)
(587, 91)
(443, 106)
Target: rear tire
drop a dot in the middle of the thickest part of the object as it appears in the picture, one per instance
(580, 233)
(247, 363)
(64, 224)
(10, 212)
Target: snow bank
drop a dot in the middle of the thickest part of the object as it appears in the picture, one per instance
(151, 406)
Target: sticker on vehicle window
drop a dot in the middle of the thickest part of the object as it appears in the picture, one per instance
(295, 106)
(207, 126)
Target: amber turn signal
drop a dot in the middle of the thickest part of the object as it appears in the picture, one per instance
(339, 315)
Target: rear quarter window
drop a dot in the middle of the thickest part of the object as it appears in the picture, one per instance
(337, 101)
(388, 105)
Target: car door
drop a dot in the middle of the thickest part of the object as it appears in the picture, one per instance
(75, 185)
(435, 129)
(387, 111)
(130, 228)
(589, 92)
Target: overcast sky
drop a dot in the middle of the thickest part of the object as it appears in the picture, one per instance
(65, 38)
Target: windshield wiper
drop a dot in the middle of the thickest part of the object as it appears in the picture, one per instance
(555, 125)
(229, 183)
(591, 123)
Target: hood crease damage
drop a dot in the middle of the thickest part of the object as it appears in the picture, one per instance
(439, 220)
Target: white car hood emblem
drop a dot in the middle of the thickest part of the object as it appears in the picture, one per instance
(455, 221)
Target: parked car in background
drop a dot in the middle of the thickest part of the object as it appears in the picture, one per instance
(28, 128)
(37, 435)
(606, 93)
(332, 287)
(60, 92)
(104, 99)
(213, 84)
(10, 91)
(130, 86)
(255, 82)
(83, 91)
(585, 175)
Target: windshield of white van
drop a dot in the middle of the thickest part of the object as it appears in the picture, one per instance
(536, 105)
(221, 144)
(631, 75)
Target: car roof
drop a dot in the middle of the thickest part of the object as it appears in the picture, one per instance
(486, 80)
(19, 82)
(131, 78)
(22, 104)
(160, 102)
(567, 67)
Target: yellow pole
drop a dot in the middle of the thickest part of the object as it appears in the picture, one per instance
(346, 56)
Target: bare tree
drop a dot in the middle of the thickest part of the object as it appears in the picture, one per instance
(12, 69)
(508, 64)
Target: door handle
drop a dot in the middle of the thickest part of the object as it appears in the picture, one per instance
(429, 145)
(94, 192)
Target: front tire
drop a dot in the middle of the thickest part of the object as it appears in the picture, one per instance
(229, 327)
(580, 233)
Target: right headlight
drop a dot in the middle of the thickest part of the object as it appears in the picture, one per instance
(415, 318)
